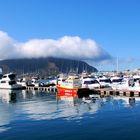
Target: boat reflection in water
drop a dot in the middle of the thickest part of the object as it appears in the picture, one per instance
(83, 105)
(6, 115)
(12, 104)
(13, 96)
(8, 95)
(42, 115)
(127, 101)
(38, 105)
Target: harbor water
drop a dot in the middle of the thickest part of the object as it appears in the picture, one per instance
(36, 115)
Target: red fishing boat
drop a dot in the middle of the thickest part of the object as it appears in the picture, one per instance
(69, 87)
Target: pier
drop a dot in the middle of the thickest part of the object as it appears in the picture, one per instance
(108, 92)
(47, 89)
(101, 91)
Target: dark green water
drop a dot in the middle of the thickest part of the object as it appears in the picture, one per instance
(40, 116)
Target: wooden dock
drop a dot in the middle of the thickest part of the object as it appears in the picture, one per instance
(108, 92)
(47, 89)
(101, 92)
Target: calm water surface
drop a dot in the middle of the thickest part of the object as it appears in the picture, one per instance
(40, 116)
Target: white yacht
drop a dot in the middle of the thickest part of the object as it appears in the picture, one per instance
(128, 84)
(104, 81)
(8, 81)
(90, 83)
(116, 81)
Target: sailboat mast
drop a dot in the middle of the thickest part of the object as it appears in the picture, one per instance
(117, 66)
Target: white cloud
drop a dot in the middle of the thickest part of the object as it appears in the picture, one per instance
(6, 46)
(65, 47)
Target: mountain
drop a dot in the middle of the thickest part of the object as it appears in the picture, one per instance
(45, 66)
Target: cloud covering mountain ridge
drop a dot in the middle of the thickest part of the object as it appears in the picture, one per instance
(72, 47)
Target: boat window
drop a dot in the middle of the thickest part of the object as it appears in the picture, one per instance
(105, 80)
(91, 77)
(12, 82)
(68, 81)
(4, 76)
(91, 82)
(0, 76)
(12, 76)
(85, 77)
(3, 81)
(117, 80)
(76, 82)
(76, 78)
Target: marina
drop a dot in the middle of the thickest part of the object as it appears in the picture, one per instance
(80, 85)
(63, 107)
(69, 70)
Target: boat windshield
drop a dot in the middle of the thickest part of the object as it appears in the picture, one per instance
(117, 80)
(105, 80)
(91, 82)
(12, 76)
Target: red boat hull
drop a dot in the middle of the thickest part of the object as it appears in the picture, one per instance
(62, 91)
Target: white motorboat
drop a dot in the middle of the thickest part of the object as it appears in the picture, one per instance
(8, 81)
(128, 84)
(116, 81)
(90, 83)
(104, 81)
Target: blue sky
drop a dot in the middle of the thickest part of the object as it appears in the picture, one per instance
(112, 24)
